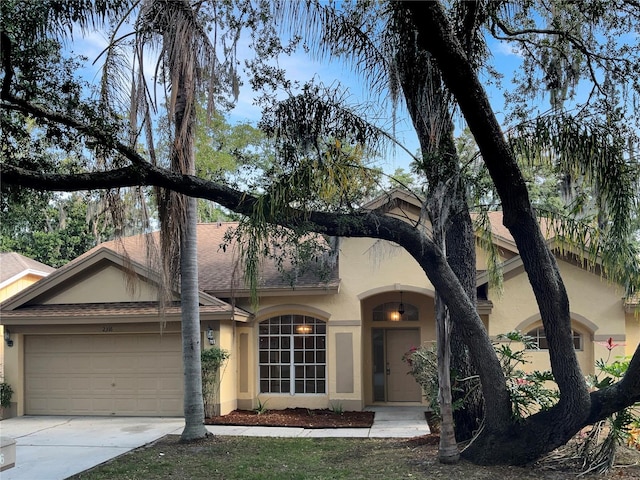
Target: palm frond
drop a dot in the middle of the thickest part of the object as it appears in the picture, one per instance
(594, 151)
(348, 30)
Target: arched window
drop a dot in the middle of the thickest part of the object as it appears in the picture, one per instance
(391, 312)
(292, 355)
(541, 339)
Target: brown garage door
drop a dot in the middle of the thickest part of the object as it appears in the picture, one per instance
(103, 375)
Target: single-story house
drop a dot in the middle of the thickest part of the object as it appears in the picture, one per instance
(90, 340)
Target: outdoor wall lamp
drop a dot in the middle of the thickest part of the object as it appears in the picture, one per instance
(212, 340)
(7, 337)
(401, 305)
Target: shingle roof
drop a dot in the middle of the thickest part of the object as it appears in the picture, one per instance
(498, 228)
(12, 264)
(84, 310)
(220, 271)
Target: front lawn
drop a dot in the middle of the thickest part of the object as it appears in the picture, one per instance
(263, 458)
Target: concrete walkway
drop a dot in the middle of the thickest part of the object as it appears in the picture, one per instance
(389, 422)
(54, 448)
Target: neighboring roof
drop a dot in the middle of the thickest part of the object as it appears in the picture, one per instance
(394, 198)
(14, 266)
(221, 272)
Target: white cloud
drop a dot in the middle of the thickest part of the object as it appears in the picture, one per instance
(506, 48)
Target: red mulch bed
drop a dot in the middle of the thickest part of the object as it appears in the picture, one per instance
(295, 417)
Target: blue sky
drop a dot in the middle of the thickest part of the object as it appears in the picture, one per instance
(302, 67)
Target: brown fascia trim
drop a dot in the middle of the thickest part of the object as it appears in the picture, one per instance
(17, 320)
(276, 292)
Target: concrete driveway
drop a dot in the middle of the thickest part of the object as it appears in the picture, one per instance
(54, 448)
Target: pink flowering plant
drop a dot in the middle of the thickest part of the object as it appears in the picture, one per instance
(423, 366)
(529, 391)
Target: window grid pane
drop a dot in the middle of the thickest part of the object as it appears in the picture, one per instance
(540, 339)
(292, 354)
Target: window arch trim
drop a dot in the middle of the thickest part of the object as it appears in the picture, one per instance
(576, 318)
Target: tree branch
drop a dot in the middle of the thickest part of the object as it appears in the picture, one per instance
(622, 394)
(5, 50)
(435, 34)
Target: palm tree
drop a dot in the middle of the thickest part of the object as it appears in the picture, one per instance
(186, 51)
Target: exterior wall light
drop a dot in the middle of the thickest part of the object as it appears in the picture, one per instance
(7, 337)
(210, 337)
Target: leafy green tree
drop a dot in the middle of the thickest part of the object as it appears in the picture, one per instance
(186, 49)
(55, 234)
(227, 153)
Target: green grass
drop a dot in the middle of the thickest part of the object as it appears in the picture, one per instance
(264, 458)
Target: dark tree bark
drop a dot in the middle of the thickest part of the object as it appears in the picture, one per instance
(461, 255)
(430, 108)
(553, 428)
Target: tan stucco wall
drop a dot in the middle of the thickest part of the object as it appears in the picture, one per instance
(14, 370)
(632, 321)
(7, 355)
(226, 339)
(482, 256)
(246, 350)
(107, 284)
(367, 265)
(595, 305)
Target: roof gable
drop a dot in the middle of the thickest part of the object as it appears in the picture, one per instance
(14, 266)
(399, 202)
(100, 276)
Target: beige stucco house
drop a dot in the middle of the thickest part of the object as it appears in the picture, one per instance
(90, 340)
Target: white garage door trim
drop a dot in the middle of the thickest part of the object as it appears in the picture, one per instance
(127, 375)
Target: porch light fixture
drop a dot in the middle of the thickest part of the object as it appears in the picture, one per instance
(304, 329)
(401, 305)
(212, 340)
(7, 337)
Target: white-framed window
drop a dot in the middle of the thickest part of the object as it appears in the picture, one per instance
(540, 338)
(293, 355)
